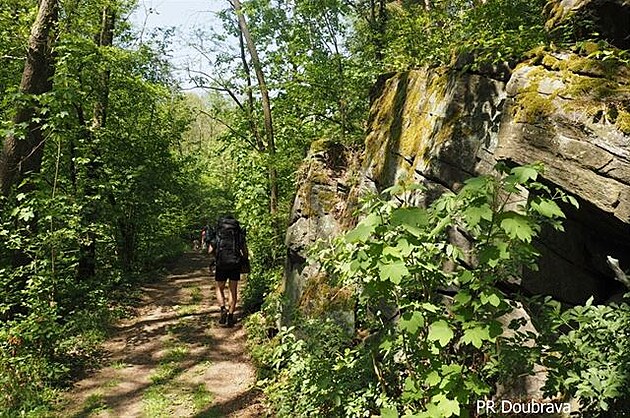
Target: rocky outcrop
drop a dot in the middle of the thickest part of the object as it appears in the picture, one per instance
(438, 126)
(572, 114)
(318, 214)
(431, 126)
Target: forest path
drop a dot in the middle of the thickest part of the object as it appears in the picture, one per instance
(172, 359)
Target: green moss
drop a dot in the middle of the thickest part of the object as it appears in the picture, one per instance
(536, 55)
(405, 118)
(623, 122)
(552, 62)
(590, 88)
(321, 145)
(582, 65)
(327, 199)
(589, 47)
(320, 298)
(533, 107)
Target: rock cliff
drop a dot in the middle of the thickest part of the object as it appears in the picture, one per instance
(439, 126)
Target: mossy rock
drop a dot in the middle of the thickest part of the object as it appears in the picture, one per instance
(623, 122)
(319, 297)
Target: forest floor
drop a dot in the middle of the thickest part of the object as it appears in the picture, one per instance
(172, 359)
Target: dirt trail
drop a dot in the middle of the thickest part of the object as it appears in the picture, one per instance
(172, 359)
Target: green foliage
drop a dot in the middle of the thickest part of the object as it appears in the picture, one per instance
(489, 32)
(419, 351)
(119, 186)
(588, 354)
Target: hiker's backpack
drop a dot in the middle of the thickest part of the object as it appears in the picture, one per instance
(229, 244)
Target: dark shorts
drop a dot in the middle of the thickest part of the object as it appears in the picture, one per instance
(222, 275)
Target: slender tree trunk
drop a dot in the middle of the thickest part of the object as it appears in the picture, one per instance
(249, 108)
(87, 252)
(21, 156)
(264, 92)
(377, 21)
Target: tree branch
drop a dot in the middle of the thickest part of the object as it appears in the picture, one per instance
(234, 131)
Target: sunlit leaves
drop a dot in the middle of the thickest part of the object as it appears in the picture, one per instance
(547, 208)
(363, 230)
(426, 280)
(409, 217)
(517, 226)
(394, 271)
(411, 322)
(441, 332)
(475, 336)
(525, 173)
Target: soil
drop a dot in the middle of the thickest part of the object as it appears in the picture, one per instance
(172, 359)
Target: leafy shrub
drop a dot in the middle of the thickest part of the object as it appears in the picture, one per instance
(421, 347)
(588, 355)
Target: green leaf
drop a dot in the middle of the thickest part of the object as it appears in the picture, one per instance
(394, 272)
(364, 229)
(490, 298)
(474, 214)
(547, 208)
(389, 413)
(404, 247)
(415, 217)
(525, 173)
(446, 407)
(430, 307)
(440, 331)
(462, 297)
(474, 184)
(411, 322)
(466, 277)
(517, 227)
(475, 336)
(395, 252)
(433, 379)
(26, 214)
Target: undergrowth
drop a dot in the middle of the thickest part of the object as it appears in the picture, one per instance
(433, 332)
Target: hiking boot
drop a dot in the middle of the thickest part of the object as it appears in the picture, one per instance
(230, 320)
(224, 316)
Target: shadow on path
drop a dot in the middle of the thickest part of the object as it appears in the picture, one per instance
(173, 357)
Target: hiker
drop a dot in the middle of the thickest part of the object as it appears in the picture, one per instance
(204, 231)
(208, 238)
(232, 259)
(196, 244)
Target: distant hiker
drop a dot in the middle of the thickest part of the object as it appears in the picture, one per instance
(204, 237)
(232, 259)
(209, 238)
(196, 244)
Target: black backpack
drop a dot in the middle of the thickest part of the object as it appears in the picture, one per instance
(229, 244)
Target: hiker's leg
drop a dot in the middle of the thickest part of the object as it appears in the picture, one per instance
(233, 295)
(221, 293)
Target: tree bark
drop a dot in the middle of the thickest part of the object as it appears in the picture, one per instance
(249, 108)
(22, 156)
(266, 105)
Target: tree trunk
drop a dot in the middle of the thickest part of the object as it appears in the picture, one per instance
(87, 252)
(22, 156)
(264, 92)
(249, 108)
